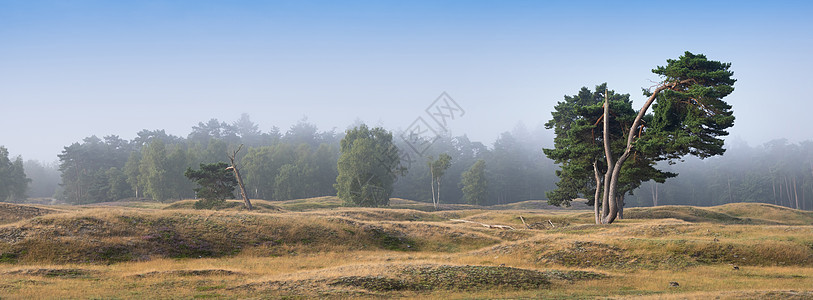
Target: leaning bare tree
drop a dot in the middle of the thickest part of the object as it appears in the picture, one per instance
(233, 167)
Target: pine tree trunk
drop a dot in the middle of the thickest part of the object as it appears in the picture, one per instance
(598, 192)
(613, 209)
(606, 199)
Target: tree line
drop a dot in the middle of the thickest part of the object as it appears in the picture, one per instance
(13, 181)
(152, 165)
(777, 172)
(301, 162)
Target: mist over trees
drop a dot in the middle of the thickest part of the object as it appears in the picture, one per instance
(515, 168)
(152, 165)
(13, 181)
(302, 162)
(777, 172)
(44, 178)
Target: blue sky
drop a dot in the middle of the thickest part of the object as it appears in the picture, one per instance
(71, 69)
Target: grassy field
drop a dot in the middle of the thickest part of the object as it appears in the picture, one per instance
(315, 248)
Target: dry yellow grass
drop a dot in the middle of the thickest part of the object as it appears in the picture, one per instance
(297, 249)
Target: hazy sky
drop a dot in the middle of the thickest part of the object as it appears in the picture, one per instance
(71, 69)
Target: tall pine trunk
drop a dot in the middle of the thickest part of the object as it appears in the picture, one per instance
(608, 155)
(598, 192)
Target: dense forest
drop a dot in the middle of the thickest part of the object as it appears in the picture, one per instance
(301, 162)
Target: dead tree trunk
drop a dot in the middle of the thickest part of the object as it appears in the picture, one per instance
(233, 167)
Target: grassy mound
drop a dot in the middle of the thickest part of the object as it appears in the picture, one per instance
(663, 246)
(10, 213)
(313, 248)
(59, 272)
(419, 278)
(761, 213)
(577, 204)
(105, 235)
(685, 213)
(736, 213)
(307, 204)
(230, 205)
(196, 273)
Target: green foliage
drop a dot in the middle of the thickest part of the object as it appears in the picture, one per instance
(578, 145)
(690, 115)
(153, 171)
(261, 166)
(292, 182)
(152, 165)
(216, 183)
(117, 186)
(131, 170)
(84, 167)
(367, 167)
(282, 172)
(687, 119)
(13, 181)
(436, 170)
(438, 167)
(475, 185)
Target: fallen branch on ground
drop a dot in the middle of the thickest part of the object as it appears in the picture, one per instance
(523, 222)
(485, 225)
